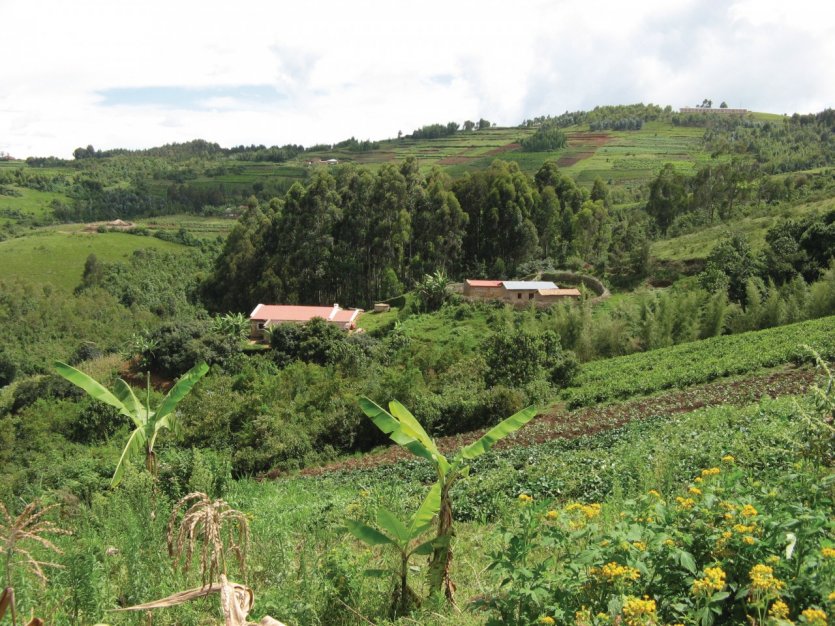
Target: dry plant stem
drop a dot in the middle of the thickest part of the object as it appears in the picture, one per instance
(28, 526)
(7, 604)
(216, 526)
(355, 612)
(235, 600)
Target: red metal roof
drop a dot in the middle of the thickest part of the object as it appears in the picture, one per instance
(484, 283)
(291, 313)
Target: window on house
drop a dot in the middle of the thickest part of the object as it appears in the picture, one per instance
(261, 325)
(530, 296)
(518, 296)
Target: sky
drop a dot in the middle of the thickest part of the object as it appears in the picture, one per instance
(142, 74)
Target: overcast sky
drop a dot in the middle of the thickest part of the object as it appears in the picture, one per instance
(139, 74)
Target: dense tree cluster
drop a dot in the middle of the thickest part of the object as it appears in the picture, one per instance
(353, 236)
(545, 139)
(436, 131)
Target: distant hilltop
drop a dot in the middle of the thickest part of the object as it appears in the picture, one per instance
(723, 110)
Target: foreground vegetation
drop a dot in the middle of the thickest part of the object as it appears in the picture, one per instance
(709, 529)
(650, 511)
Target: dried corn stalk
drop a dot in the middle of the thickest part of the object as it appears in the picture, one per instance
(29, 526)
(235, 601)
(215, 526)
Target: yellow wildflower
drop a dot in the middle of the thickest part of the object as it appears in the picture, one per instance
(743, 529)
(613, 572)
(698, 479)
(749, 511)
(713, 471)
(638, 612)
(748, 539)
(695, 491)
(547, 619)
(828, 553)
(653, 492)
(525, 498)
(590, 510)
(551, 515)
(779, 609)
(714, 580)
(773, 559)
(831, 597)
(639, 545)
(728, 516)
(728, 459)
(816, 617)
(669, 542)
(762, 579)
(685, 503)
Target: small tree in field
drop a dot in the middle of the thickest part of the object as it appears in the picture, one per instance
(402, 427)
(148, 422)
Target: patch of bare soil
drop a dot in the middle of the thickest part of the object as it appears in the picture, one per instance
(454, 160)
(588, 139)
(505, 148)
(571, 159)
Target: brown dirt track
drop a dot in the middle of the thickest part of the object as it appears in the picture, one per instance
(557, 423)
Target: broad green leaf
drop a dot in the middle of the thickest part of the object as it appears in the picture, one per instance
(379, 415)
(133, 447)
(416, 448)
(389, 522)
(422, 519)
(371, 536)
(411, 426)
(498, 432)
(394, 429)
(686, 560)
(425, 548)
(181, 389)
(139, 413)
(95, 389)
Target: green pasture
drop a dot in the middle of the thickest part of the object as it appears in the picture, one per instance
(57, 256)
(699, 244)
(29, 204)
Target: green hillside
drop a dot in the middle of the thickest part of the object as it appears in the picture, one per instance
(56, 255)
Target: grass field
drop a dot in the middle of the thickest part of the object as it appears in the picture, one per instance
(699, 244)
(56, 256)
(29, 204)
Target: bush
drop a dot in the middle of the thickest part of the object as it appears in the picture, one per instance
(176, 347)
(518, 357)
(8, 369)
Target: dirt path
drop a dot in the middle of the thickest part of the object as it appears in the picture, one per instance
(557, 423)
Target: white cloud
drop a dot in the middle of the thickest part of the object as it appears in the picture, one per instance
(370, 68)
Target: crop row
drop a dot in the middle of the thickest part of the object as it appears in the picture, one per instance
(699, 362)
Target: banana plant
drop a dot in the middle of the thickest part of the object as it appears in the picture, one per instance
(148, 422)
(403, 538)
(402, 427)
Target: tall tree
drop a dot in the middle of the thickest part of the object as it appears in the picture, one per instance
(667, 197)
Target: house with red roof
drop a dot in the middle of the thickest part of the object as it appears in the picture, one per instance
(264, 316)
